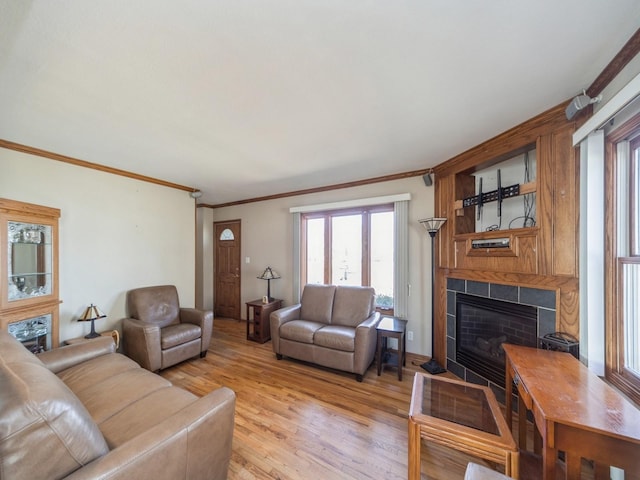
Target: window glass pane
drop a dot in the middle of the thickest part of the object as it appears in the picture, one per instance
(346, 250)
(635, 207)
(315, 250)
(382, 253)
(227, 235)
(631, 316)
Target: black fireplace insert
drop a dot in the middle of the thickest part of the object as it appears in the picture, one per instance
(483, 325)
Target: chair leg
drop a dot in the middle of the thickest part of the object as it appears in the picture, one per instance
(359, 377)
(279, 356)
(203, 354)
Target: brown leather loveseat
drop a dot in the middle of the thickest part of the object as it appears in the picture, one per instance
(85, 412)
(333, 326)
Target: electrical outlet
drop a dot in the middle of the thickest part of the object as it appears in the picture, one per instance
(410, 336)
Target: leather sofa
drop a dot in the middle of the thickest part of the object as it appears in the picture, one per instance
(85, 412)
(159, 333)
(333, 326)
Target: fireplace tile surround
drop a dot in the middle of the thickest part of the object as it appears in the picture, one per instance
(543, 300)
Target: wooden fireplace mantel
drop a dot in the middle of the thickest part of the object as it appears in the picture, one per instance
(545, 256)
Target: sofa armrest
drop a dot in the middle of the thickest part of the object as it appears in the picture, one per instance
(370, 322)
(280, 317)
(202, 318)
(194, 444)
(366, 338)
(141, 343)
(65, 357)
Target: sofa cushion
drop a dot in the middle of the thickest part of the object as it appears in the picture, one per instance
(179, 334)
(107, 398)
(300, 330)
(95, 371)
(144, 413)
(317, 303)
(352, 305)
(43, 425)
(336, 337)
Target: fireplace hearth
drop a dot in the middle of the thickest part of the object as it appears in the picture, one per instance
(483, 325)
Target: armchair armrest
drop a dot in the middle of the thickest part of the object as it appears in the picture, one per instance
(202, 318)
(141, 343)
(280, 317)
(195, 443)
(60, 359)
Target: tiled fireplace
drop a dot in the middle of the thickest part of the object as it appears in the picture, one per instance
(481, 316)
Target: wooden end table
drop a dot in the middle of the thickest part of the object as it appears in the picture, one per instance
(258, 325)
(462, 416)
(391, 327)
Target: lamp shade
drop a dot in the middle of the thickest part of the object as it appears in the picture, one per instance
(433, 224)
(92, 312)
(269, 274)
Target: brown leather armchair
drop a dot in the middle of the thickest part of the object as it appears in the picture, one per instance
(159, 333)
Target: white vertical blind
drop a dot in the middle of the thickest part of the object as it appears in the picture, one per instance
(592, 245)
(296, 258)
(401, 260)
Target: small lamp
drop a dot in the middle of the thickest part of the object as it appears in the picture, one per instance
(269, 275)
(91, 313)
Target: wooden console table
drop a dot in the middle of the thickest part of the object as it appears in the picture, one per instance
(574, 410)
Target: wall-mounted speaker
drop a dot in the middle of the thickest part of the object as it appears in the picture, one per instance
(426, 178)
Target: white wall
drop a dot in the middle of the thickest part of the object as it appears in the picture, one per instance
(267, 239)
(116, 233)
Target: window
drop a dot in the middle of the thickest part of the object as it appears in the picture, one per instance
(623, 261)
(351, 247)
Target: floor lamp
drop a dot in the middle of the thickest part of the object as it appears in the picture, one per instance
(432, 225)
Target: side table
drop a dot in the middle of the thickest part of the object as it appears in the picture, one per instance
(261, 331)
(110, 333)
(391, 327)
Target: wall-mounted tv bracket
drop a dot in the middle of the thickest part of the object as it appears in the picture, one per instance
(480, 202)
(501, 194)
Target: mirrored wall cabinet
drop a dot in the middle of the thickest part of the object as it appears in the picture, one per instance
(29, 273)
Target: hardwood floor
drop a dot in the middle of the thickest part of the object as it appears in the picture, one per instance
(296, 421)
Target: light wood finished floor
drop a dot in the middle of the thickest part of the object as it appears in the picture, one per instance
(296, 421)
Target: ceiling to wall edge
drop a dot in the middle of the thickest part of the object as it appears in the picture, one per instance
(615, 66)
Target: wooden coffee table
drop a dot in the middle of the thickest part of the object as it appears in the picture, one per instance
(462, 416)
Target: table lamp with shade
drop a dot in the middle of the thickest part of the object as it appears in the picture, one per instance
(269, 275)
(92, 313)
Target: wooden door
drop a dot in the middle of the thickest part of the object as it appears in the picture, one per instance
(227, 269)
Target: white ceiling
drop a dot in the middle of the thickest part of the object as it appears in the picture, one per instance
(247, 98)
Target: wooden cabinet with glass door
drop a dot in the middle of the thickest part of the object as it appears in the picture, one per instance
(29, 271)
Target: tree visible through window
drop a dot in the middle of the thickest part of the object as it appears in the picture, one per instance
(351, 247)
